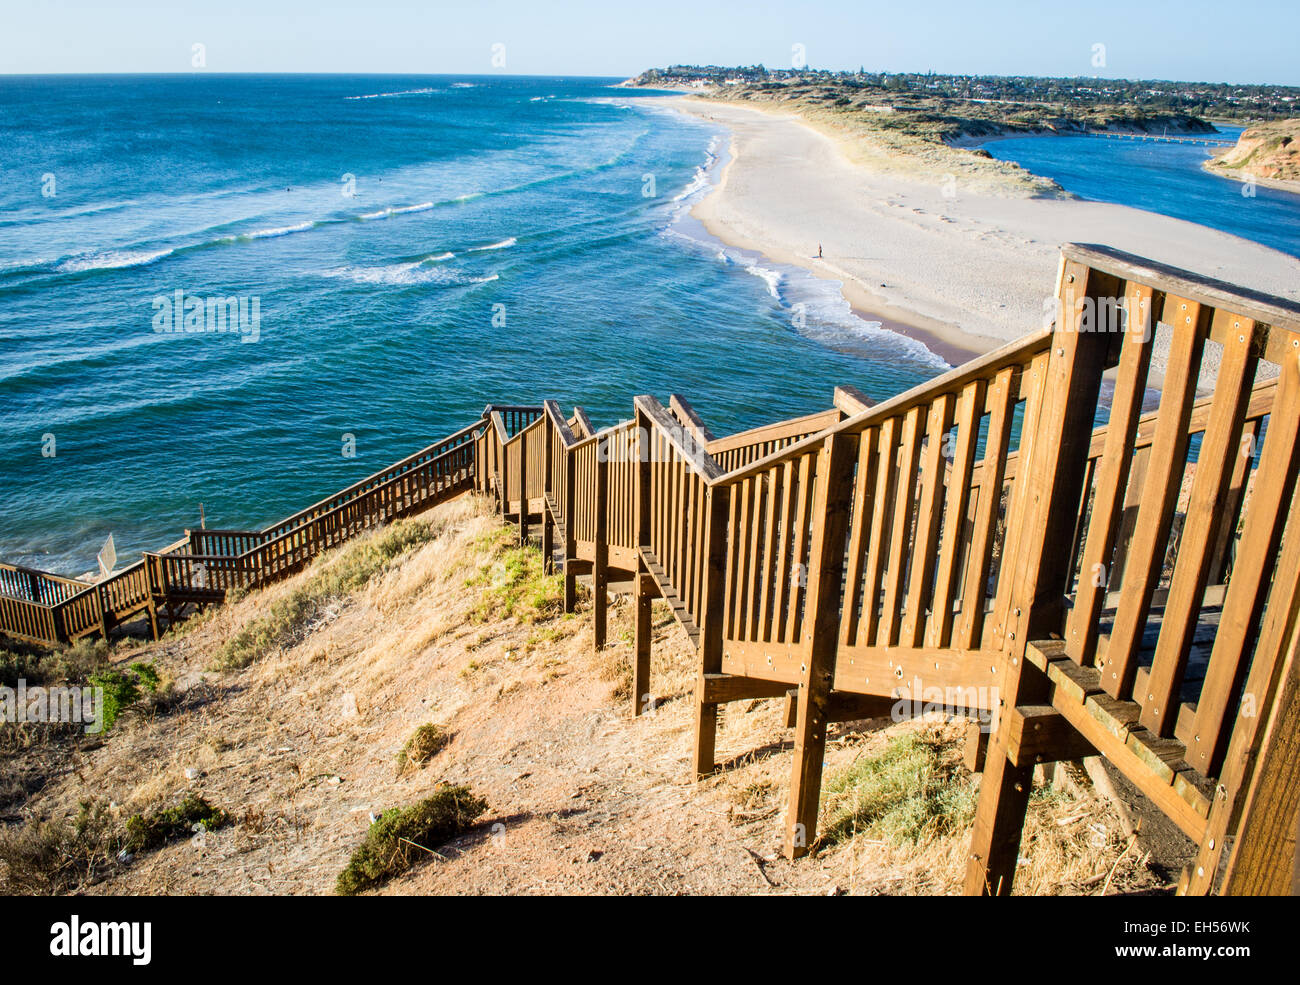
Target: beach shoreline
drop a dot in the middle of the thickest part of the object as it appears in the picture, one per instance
(956, 268)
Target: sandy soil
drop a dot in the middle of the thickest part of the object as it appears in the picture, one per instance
(301, 748)
(968, 265)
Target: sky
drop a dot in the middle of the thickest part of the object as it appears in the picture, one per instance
(1193, 40)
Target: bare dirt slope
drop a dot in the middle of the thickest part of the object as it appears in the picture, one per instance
(301, 747)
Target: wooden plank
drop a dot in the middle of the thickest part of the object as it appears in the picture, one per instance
(864, 491)
(1111, 481)
(719, 504)
(883, 510)
(830, 529)
(803, 502)
(850, 400)
(600, 566)
(1263, 859)
(692, 421)
(1190, 323)
(1001, 398)
(1243, 605)
(1281, 316)
(1012, 354)
(1233, 503)
(1219, 449)
(722, 688)
(1273, 663)
(1046, 498)
(781, 602)
(939, 632)
(901, 526)
(1041, 734)
(929, 515)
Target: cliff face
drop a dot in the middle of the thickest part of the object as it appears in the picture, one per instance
(1268, 152)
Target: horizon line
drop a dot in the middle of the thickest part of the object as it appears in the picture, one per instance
(561, 75)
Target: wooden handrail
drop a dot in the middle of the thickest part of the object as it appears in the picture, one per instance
(685, 413)
(799, 426)
(697, 457)
(951, 382)
(561, 426)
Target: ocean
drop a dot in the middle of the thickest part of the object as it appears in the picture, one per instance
(380, 257)
(1161, 177)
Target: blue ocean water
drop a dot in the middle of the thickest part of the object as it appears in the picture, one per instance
(1160, 177)
(413, 248)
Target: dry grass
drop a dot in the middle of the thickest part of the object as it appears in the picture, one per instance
(298, 748)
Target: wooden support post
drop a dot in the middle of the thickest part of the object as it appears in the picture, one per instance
(103, 613)
(831, 503)
(717, 502)
(1263, 858)
(600, 567)
(523, 487)
(977, 747)
(643, 582)
(1054, 453)
(548, 521)
(503, 475)
(642, 700)
(570, 535)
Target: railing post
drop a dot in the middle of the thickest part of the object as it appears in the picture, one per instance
(548, 521)
(102, 598)
(713, 618)
(570, 531)
(831, 504)
(503, 472)
(600, 567)
(644, 446)
(1055, 440)
(523, 486)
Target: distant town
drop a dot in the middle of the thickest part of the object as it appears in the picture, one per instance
(954, 102)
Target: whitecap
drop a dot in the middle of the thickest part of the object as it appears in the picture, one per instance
(110, 260)
(504, 244)
(277, 231)
(406, 275)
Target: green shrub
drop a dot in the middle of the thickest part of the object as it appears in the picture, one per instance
(425, 743)
(156, 828)
(40, 666)
(122, 688)
(402, 834)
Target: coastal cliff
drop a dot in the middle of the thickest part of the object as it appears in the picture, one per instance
(1268, 153)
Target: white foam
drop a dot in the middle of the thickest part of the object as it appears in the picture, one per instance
(277, 231)
(395, 210)
(703, 177)
(504, 244)
(393, 95)
(110, 260)
(405, 275)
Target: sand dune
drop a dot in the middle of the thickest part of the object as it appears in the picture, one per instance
(964, 269)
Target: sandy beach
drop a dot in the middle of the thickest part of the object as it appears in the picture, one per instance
(960, 267)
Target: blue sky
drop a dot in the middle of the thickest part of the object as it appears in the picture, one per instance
(1192, 40)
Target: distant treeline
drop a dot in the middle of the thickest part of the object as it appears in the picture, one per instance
(1219, 100)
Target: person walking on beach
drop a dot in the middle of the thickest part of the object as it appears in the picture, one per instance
(819, 251)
